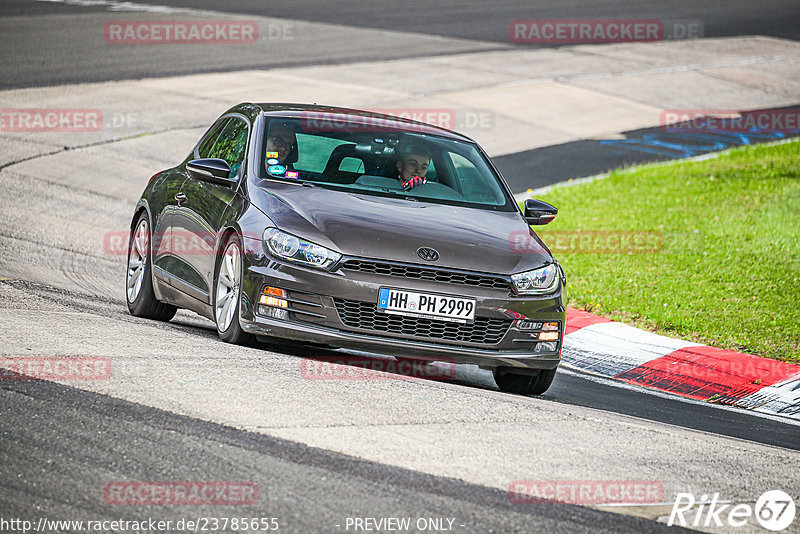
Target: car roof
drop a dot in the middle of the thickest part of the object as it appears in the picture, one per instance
(337, 114)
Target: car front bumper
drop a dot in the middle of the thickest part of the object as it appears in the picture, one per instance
(316, 313)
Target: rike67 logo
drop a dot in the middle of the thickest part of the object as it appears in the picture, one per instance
(774, 511)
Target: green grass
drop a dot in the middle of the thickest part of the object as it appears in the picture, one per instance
(728, 271)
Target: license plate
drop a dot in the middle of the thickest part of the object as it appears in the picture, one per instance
(428, 305)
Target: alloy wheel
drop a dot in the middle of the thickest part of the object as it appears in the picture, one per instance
(137, 258)
(228, 286)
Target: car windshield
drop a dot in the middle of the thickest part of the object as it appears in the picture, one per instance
(370, 159)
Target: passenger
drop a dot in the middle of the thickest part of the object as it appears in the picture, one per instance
(413, 166)
(282, 141)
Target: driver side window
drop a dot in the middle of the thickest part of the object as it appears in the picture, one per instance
(208, 142)
(229, 143)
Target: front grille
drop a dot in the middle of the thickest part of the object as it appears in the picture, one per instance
(425, 273)
(364, 315)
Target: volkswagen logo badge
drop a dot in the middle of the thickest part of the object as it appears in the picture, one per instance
(427, 254)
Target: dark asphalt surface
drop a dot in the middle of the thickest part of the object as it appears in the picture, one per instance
(47, 43)
(39, 49)
(488, 21)
(548, 165)
(61, 446)
(574, 389)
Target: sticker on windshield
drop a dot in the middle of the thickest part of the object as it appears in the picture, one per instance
(272, 154)
(276, 169)
(272, 161)
(291, 174)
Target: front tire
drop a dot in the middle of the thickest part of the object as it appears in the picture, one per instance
(139, 293)
(228, 293)
(524, 384)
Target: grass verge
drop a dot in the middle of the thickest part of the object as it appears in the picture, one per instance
(704, 250)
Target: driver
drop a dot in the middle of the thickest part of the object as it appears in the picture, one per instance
(282, 142)
(413, 166)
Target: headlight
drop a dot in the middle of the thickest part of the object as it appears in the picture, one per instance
(291, 248)
(536, 282)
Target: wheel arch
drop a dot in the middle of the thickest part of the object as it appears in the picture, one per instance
(222, 238)
(142, 206)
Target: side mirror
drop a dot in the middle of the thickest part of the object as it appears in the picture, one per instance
(216, 171)
(538, 212)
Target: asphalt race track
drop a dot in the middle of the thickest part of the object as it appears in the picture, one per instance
(185, 406)
(308, 489)
(488, 21)
(46, 53)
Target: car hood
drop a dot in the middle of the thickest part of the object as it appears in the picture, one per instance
(393, 229)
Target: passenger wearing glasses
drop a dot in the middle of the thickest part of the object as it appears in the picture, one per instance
(282, 145)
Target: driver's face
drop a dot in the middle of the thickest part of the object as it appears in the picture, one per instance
(281, 140)
(413, 165)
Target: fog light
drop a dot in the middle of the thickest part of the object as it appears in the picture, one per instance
(550, 327)
(275, 313)
(548, 336)
(528, 325)
(547, 346)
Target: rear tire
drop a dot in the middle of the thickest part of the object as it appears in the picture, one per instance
(524, 384)
(228, 293)
(139, 293)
